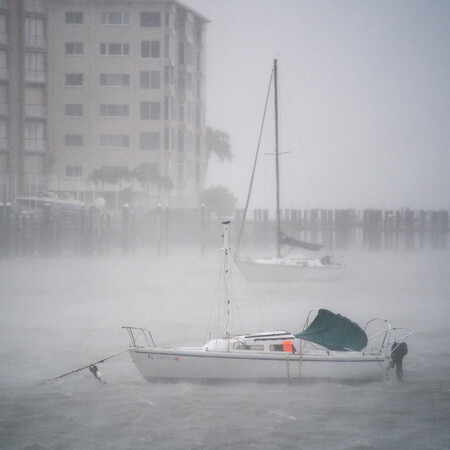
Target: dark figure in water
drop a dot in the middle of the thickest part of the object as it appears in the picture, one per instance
(94, 369)
(398, 352)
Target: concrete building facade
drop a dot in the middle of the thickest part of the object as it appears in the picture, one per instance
(23, 97)
(112, 84)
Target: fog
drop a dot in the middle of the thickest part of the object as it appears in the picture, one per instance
(364, 100)
(59, 314)
(364, 124)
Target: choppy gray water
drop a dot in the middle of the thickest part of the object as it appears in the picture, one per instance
(60, 314)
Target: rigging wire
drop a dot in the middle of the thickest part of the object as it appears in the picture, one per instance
(254, 166)
(169, 295)
(157, 310)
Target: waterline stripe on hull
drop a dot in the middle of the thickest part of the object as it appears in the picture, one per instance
(292, 358)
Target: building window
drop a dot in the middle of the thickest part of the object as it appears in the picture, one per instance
(181, 58)
(150, 49)
(115, 18)
(199, 34)
(114, 110)
(198, 142)
(166, 108)
(197, 172)
(189, 141)
(189, 53)
(114, 79)
(181, 117)
(198, 116)
(150, 110)
(4, 30)
(155, 110)
(180, 171)
(115, 140)
(34, 32)
(167, 46)
(189, 81)
(74, 79)
(151, 19)
(34, 137)
(181, 141)
(73, 140)
(181, 80)
(74, 48)
(115, 49)
(189, 113)
(149, 140)
(150, 80)
(3, 64)
(3, 134)
(199, 61)
(199, 90)
(73, 109)
(168, 75)
(166, 138)
(34, 67)
(73, 171)
(74, 17)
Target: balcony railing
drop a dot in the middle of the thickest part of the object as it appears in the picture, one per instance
(32, 40)
(35, 6)
(35, 111)
(35, 145)
(34, 76)
(3, 143)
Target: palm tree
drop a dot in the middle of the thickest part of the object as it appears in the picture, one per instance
(109, 175)
(148, 174)
(219, 199)
(218, 142)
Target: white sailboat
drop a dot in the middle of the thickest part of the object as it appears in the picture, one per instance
(329, 347)
(286, 268)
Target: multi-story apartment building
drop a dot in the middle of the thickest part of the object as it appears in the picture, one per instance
(105, 83)
(23, 93)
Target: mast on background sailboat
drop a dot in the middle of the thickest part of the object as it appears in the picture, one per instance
(277, 168)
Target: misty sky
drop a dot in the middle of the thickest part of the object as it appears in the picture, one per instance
(364, 100)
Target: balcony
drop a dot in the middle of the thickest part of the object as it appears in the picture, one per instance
(32, 40)
(33, 76)
(35, 145)
(36, 111)
(4, 4)
(35, 6)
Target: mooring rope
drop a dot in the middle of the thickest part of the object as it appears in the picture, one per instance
(89, 365)
(157, 310)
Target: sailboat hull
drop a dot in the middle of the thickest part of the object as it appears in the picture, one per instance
(279, 269)
(180, 364)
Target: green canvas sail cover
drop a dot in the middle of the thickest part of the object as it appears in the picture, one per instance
(334, 332)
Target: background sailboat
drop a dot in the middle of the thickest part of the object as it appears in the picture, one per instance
(284, 268)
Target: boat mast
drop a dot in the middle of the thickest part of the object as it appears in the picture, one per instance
(277, 168)
(226, 255)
